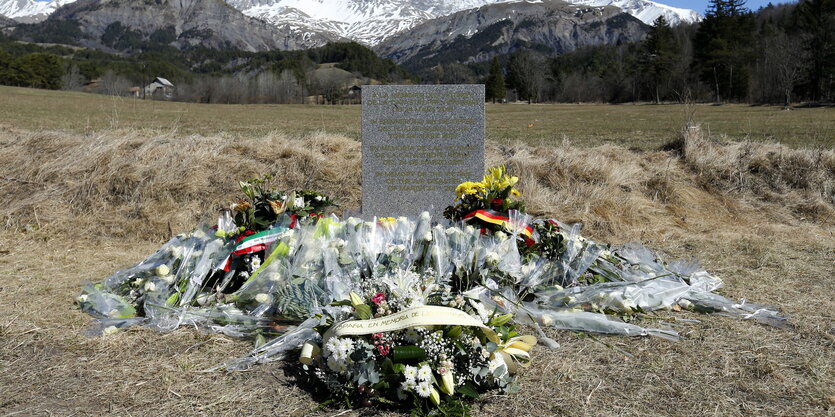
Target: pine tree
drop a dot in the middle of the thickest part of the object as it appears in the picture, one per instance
(660, 54)
(526, 74)
(724, 47)
(495, 89)
(816, 21)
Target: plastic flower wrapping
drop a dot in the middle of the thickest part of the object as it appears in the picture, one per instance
(405, 312)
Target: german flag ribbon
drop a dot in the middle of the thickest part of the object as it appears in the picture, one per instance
(497, 218)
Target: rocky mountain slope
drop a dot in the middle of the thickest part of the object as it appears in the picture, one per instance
(551, 26)
(125, 24)
(365, 21)
(6, 22)
(371, 22)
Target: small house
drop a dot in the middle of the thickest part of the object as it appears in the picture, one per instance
(160, 86)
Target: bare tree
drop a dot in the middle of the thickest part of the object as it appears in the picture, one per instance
(114, 85)
(72, 80)
(264, 88)
(787, 57)
(527, 74)
(289, 89)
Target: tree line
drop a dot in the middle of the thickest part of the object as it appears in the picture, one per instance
(779, 54)
(199, 74)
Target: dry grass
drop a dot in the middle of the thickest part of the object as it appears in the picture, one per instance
(631, 126)
(95, 203)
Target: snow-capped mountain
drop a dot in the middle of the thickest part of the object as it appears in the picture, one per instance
(365, 21)
(551, 27)
(647, 11)
(30, 11)
(371, 22)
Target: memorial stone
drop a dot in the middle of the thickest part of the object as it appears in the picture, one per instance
(418, 143)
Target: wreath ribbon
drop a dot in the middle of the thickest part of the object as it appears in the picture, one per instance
(500, 219)
(254, 243)
(412, 317)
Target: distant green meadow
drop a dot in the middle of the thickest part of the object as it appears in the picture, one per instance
(640, 126)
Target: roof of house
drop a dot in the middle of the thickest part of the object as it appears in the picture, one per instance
(163, 81)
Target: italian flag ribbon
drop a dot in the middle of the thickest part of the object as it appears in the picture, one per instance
(494, 217)
(254, 243)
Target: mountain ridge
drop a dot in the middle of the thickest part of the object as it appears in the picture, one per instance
(369, 22)
(120, 25)
(472, 36)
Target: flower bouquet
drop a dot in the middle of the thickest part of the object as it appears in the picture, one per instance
(401, 311)
(424, 345)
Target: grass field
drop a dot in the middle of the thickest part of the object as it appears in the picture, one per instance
(640, 126)
(90, 186)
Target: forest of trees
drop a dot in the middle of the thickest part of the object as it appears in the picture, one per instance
(779, 55)
(200, 75)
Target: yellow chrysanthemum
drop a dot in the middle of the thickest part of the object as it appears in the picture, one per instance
(469, 188)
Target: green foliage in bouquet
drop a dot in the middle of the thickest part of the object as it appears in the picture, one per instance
(429, 370)
(495, 192)
(264, 206)
(550, 243)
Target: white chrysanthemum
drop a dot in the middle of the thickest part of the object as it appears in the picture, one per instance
(345, 345)
(425, 216)
(492, 258)
(424, 373)
(410, 372)
(298, 202)
(150, 287)
(495, 364)
(423, 389)
(82, 298)
(408, 385)
(412, 336)
(262, 298)
(402, 219)
(275, 276)
(501, 236)
(428, 236)
(168, 279)
(469, 229)
(331, 346)
(255, 263)
(110, 330)
(451, 231)
(400, 248)
(337, 365)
